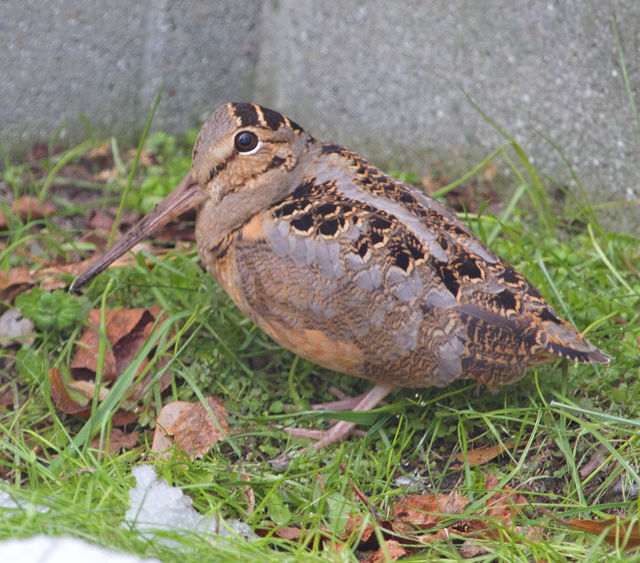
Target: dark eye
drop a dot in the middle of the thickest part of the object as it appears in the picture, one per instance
(246, 141)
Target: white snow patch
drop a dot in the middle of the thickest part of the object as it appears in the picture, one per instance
(45, 549)
(156, 506)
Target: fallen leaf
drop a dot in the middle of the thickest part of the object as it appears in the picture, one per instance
(86, 357)
(129, 337)
(63, 401)
(101, 152)
(251, 497)
(422, 512)
(504, 502)
(14, 328)
(14, 282)
(421, 520)
(596, 460)
(40, 150)
(415, 514)
(490, 172)
(28, 207)
(100, 221)
(147, 158)
(6, 398)
(127, 330)
(393, 548)
(288, 533)
(118, 324)
(192, 428)
(103, 221)
(88, 388)
(480, 456)
(617, 532)
(118, 440)
(61, 398)
(503, 506)
(123, 417)
(353, 527)
(469, 550)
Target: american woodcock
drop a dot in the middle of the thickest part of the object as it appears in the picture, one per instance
(350, 268)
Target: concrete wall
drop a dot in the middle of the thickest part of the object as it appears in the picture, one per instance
(382, 76)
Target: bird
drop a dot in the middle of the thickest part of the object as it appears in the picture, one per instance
(351, 268)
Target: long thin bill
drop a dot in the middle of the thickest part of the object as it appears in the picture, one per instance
(187, 195)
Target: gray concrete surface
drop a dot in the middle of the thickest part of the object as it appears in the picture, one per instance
(384, 77)
(106, 61)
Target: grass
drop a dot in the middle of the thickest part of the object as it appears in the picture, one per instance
(558, 417)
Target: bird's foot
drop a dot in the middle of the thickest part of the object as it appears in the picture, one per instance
(342, 429)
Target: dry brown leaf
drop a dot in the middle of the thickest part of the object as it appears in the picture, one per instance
(192, 428)
(61, 398)
(86, 357)
(490, 172)
(126, 330)
(288, 533)
(6, 398)
(394, 549)
(480, 456)
(123, 417)
(63, 401)
(616, 530)
(147, 158)
(251, 497)
(421, 512)
(416, 514)
(101, 152)
(100, 221)
(503, 506)
(354, 524)
(118, 324)
(420, 518)
(596, 460)
(88, 388)
(469, 550)
(14, 282)
(103, 220)
(28, 207)
(117, 441)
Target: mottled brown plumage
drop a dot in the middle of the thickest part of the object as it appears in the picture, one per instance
(351, 268)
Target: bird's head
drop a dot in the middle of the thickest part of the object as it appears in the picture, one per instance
(242, 162)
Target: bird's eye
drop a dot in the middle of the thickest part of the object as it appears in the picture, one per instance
(246, 141)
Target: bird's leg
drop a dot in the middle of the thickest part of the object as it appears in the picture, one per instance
(341, 430)
(344, 402)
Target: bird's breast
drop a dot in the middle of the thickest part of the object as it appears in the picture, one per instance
(264, 285)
